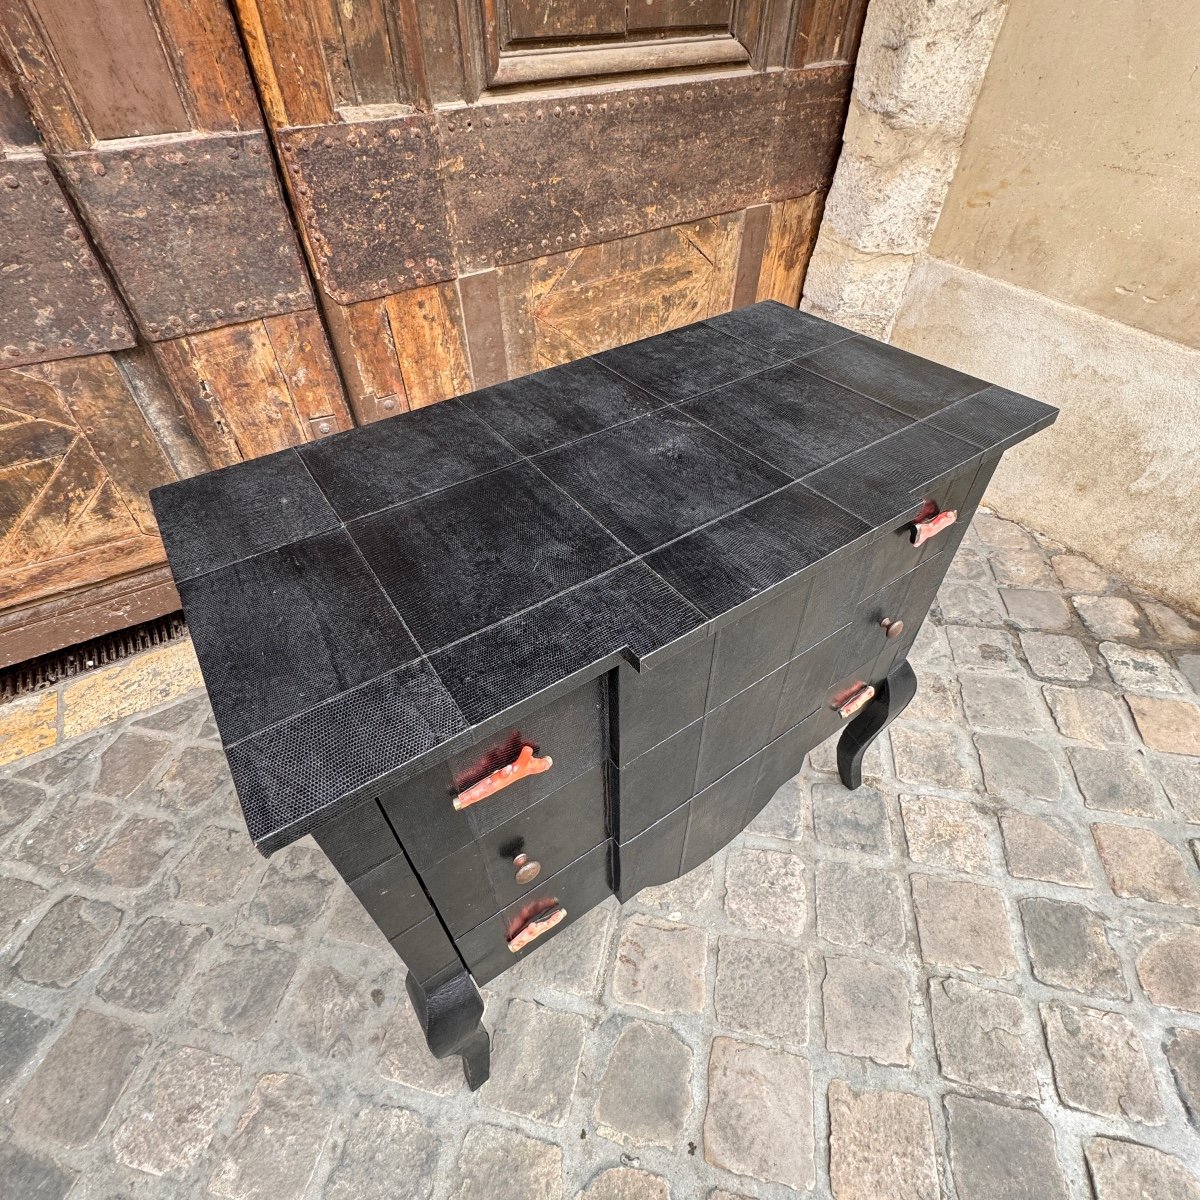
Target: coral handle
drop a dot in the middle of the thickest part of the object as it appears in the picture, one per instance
(535, 928)
(500, 778)
(932, 526)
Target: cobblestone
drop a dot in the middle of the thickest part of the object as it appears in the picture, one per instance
(977, 976)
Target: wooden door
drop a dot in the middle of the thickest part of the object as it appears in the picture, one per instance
(247, 223)
(486, 187)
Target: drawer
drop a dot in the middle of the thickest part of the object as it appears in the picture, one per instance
(481, 878)
(751, 647)
(654, 856)
(720, 812)
(807, 681)
(652, 705)
(427, 950)
(574, 890)
(738, 728)
(393, 896)
(357, 840)
(570, 732)
(660, 780)
(784, 757)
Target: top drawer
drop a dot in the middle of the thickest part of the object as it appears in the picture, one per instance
(569, 732)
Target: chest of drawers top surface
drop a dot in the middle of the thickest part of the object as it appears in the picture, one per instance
(363, 604)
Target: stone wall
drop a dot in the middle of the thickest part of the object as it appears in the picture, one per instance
(1018, 197)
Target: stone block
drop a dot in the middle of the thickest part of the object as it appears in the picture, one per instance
(626, 1183)
(1037, 848)
(1069, 947)
(67, 941)
(762, 989)
(18, 899)
(21, 1032)
(970, 602)
(274, 1149)
(1015, 766)
(1001, 1153)
(1057, 656)
(135, 852)
(1109, 616)
(1123, 1170)
(786, 815)
(30, 1175)
(859, 290)
(385, 1144)
(1086, 714)
(1176, 629)
(993, 701)
(501, 1164)
(1079, 574)
(859, 906)
(175, 1114)
(69, 836)
(1036, 608)
(963, 925)
(983, 1037)
(645, 1096)
(855, 820)
(125, 764)
(76, 1085)
(1137, 670)
(945, 833)
(660, 965)
(1140, 863)
(1100, 1064)
(294, 890)
(685, 894)
(1169, 969)
(934, 755)
(239, 993)
(1182, 1049)
(328, 1012)
(1025, 568)
(759, 1120)
(1115, 781)
(1180, 779)
(404, 1056)
(881, 1146)
(866, 1011)
(28, 724)
(983, 649)
(1172, 726)
(535, 1062)
(212, 871)
(151, 967)
(580, 952)
(765, 891)
(196, 781)
(19, 800)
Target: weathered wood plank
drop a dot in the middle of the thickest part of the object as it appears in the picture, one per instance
(50, 101)
(479, 298)
(362, 341)
(750, 255)
(790, 240)
(304, 358)
(430, 346)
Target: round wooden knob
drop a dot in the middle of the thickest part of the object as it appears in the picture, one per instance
(528, 869)
(892, 628)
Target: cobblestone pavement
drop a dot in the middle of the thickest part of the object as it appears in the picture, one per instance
(977, 978)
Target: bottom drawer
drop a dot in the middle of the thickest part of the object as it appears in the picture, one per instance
(574, 890)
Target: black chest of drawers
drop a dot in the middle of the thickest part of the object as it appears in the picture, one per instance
(564, 637)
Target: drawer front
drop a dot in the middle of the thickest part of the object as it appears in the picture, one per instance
(576, 889)
(393, 896)
(807, 681)
(652, 705)
(570, 732)
(739, 727)
(480, 879)
(784, 757)
(654, 856)
(427, 950)
(720, 812)
(751, 647)
(358, 840)
(656, 783)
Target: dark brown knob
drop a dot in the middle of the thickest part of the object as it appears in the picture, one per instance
(892, 628)
(528, 869)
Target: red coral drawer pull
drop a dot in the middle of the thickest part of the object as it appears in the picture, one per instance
(534, 928)
(930, 527)
(500, 778)
(856, 701)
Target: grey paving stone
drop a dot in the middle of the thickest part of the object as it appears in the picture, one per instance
(931, 650)
(328, 1010)
(1174, 628)
(963, 924)
(1036, 608)
(1172, 726)
(404, 1057)
(1123, 1170)
(1189, 664)
(1115, 781)
(18, 801)
(1079, 574)
(127, 762)
(941, 832)
(175, 1113)
(645, 1095)
(273, 1151)
(501, 1164)
(1022, 568)
(856, 820)
(1109, 616)
(969, 563)
(1140, 863)
(385, 1145)
(1086, 714)
(1100, 1065)
(1015, 766)
(660, 965)
(685, 894)
(148, 971)
(577, 964)
(996, 533)
(177, 717)
(1038, 848)
(76, 1085)
(787, 814)
(1001, 702)
(934, 755)
(212, 871)
(21, 1032)
(1138, 670)
(859, 906)
(294, 890)
(1069, 947)
(984, 1037)
(74, 762)
(1182, 1048)
(982, 649)
(762, 989)
(759, 1120)
(765, 891)
(626, 1183)
(823, 760)
(1001, 1153)
(535, 1061)
(937, 699)
(68, 836)
(239, 993)
(135, 852)
(67, 941)
(881, 1146)
(193, 781)
(19, 899)
(32, 1176)
(970, 601)
(1056, 656)
(1180, 779)
(350, 922)
(866, 1011)
(1169, 968)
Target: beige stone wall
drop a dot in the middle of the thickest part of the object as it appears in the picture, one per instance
(1019, 197)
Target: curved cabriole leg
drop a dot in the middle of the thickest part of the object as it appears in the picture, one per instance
(450, 1019)
(892, 698)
